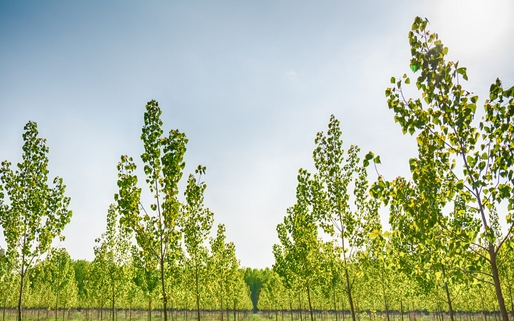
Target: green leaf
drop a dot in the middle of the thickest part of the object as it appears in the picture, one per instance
(462, 71)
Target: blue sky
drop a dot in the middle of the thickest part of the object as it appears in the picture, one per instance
(250, 83)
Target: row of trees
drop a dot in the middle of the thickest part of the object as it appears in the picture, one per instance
(160, 250)
(116, 280)
(447, 247)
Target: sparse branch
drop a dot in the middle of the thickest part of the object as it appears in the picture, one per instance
(505, 238)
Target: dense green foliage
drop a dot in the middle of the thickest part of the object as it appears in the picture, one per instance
(34, 213)
(255, 278)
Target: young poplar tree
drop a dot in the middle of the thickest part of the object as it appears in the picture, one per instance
(350, 224)
(156, 228)
(114, 245)
(223, 263)
(35, 213)
(299, 253)
(197, 224)
(146, 276)
(98, 279)
(273, 293)
(41, 290)
(478, 158)
(440, 249)
(62, 279)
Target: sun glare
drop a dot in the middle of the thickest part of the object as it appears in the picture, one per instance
(476, 24)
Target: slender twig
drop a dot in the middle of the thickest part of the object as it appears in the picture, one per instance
(472, 272)
(505, 238)
(480, 254)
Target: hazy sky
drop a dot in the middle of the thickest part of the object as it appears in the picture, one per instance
(249, 82)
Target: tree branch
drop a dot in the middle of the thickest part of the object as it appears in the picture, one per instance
(505, 238)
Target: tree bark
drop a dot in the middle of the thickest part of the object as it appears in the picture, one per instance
(401, 308)
(150, 308)
(448, 298)
(56, 302)
(22, 277)
(335, 302)
(221, 306)
(197, 292)
(234, 311)
(492, 256)
(310, 304)
(497, 284)
(347, 276)
(386, 306)
(113, 300)
(3, 312)
(300, 303)
(291, 308)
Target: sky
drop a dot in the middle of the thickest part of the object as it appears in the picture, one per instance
(249, 82)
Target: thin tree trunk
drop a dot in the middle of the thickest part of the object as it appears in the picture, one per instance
(401, 308)
(386, 306)
(234, 311)
(162, 254)
(347, 276)
(448, 298)
(497, 284)
(172, 310)
(113, 298)
(197, 292)
(221, 306)
(56, 302)
(349, 292)
(300, 302)
(343, 308)
(291, 308)
(22, 278)
(492, 254)
(150, 307)
(3, 312)
(310, 304)
(164, 294)
(335, 302)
